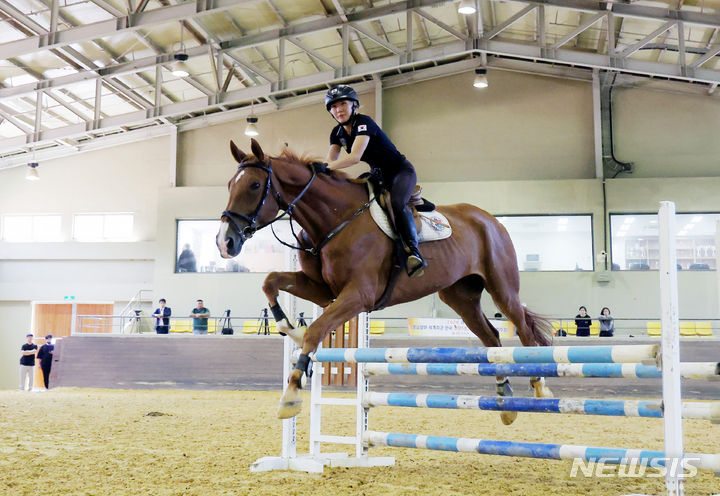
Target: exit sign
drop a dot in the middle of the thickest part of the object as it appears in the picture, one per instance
(69, 297)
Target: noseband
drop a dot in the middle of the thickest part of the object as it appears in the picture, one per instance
(252, 219)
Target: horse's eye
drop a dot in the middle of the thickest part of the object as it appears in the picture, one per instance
(255, 185)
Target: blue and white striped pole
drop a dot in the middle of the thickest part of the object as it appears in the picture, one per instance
(616, 456)
(689, 370)
(619, 408)
(530, 354)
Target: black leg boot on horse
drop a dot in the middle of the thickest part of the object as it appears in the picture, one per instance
(415, 264)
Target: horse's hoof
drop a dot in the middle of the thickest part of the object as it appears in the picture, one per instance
(290, 405)
(508, 417)
(541, 390)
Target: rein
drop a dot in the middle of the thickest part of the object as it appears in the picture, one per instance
(248, 231)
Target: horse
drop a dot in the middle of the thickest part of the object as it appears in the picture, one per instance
(345, 258)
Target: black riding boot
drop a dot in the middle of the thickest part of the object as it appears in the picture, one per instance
(415, 265)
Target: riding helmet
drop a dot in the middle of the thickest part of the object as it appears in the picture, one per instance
(340, 92)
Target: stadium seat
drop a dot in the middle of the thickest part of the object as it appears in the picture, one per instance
(181, 325)
(212, 326)
(653, 328)
(570, 327)
(703, 329)
(273, 327)
(250, 327)
(556, 326)
(687, 328)
(377, 327)
(595, 328)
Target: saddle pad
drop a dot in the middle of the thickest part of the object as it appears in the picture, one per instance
(433, 225)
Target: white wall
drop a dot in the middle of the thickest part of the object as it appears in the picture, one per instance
(524, 146)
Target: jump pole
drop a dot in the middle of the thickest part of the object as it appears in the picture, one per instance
(670, 355)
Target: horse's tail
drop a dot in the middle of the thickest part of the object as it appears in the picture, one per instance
(540, 327)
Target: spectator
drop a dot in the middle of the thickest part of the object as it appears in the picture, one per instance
(45, 355)
(607, 323)
(186, 262)
(200, 316)
(583, 322)
(27, 363)
(162, 318)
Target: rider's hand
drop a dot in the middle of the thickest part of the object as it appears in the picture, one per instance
(321, 167)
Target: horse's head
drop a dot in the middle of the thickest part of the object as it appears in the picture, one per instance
(250, 205)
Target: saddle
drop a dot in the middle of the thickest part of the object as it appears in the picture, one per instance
(431, 225)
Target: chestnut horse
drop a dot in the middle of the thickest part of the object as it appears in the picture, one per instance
(346, 270)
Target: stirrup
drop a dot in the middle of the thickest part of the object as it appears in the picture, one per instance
(415, 265)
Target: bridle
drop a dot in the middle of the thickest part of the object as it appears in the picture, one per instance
(248, 231)
(252, 219)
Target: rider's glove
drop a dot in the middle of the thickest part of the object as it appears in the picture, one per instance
(321, 167)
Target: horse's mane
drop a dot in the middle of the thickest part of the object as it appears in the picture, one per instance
(306, 159)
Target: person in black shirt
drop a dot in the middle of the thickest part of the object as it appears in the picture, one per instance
(27, 363)
(45, 355)
(583, 322)
(363, 140)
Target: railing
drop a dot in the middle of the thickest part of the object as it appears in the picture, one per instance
(137, 303)
(396, 326)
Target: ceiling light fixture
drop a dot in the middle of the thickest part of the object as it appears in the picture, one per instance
(179, 67)
(466, 7)
(32, 173)
(481, 80)
(251, 129)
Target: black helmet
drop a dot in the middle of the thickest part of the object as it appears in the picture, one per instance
(340, 92)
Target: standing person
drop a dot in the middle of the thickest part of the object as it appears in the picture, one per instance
(27, 363)
(363, 140)
(583, 322)
(162, 318)
(200, 316)
(186, 261)
(45, 355)
(607, 323)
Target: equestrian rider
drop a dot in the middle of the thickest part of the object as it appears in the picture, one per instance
(363, 140)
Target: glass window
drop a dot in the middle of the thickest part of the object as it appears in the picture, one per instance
(551, 242)
(197, 251)
(29, 228)
(635, 241)
(103, 227)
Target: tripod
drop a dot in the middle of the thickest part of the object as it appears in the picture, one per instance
(264, 327)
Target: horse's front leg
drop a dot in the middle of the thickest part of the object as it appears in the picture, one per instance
(297, 284)
(348, 304)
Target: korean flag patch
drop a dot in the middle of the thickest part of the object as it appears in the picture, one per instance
(362, 127)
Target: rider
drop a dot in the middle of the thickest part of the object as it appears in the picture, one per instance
(363, 140)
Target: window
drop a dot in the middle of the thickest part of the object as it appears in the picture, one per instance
(103, 227)
(196, 250)
(551, 242)
(30, 228)
(635, 241)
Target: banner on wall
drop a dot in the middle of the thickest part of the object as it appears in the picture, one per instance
(453, 327)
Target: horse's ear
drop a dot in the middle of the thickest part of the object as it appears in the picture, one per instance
(257, 151)
(237, 153)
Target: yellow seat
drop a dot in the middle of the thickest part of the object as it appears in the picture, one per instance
(212, 326)
(687, 328)
(595, 329)
(570, 327)
(250, 327)
(377, 327)
(556, 326)
(181, 325)
(703, 329)
(273, 327)
(653, 328)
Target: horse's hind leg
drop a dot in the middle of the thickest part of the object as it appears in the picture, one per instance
(528, 327)
(464, 298)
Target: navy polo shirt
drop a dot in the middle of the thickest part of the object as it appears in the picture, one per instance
(380, 152)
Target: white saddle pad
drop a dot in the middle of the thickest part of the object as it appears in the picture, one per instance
(433, 225)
